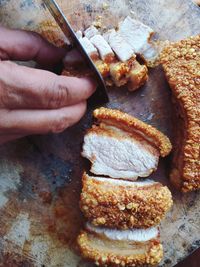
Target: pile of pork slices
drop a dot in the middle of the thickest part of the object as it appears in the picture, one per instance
(114, 52)
(123, 214)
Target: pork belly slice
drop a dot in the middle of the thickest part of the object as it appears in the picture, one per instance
(121, 48)
(103, 47)
(79, 34)
(119, 72)
(89, 48)
(91, 31)
(111, 247)
(136, 34)
(181, 63)
(114, 153)
(124, 204)
(122, 146)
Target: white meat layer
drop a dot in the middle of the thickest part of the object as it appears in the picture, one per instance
(146, 182)
(88, 46)
(125, 158)
(90, 32)
(79, 34)
(122, 49)
(137, 235)
(135, 33)
(102, 46)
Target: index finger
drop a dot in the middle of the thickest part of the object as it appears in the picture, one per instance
(23, 87)
(26, 45)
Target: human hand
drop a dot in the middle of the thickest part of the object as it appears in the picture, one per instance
(34, 101)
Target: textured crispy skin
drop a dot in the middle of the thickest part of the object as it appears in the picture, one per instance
(124, 207)
(131, 72)
(137, 76)
(131, 124)
(181, 63)
(115, 257)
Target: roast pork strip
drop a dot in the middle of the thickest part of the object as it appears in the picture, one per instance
(121, 146)
(181, 63)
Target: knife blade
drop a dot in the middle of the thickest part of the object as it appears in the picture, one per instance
(100, 96)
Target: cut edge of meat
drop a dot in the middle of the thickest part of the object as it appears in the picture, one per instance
(105, 252)
(129, 123)
(115, 153)
(135, 235)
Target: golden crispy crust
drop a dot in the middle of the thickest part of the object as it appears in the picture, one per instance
(131, 124)
(124, 207)
(151, 255)
(103, 68)
(137, 76)
(181, 63)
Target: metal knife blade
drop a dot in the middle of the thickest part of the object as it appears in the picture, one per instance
(100, 96)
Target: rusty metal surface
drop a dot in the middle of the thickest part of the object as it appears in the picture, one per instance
(40, 177)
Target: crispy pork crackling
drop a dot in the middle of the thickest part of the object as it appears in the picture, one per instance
(111, 247)
(181, 63)
(124, 204)
(121, 146)
(114, 58)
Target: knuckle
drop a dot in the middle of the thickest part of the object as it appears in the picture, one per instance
(59, 96)
(60, 124)
(9, 98)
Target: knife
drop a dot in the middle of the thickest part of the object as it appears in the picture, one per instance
(100, 96)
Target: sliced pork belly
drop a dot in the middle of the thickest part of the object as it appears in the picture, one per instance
(89, 48)
(90, 32)
(118, 155)
(103, 67)
(79, 34)
(135, 33)
(129, 70)
(124, 204)
(122, 146)
(121, 48)
(111, 247)
(103, 47)
(119, 71)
